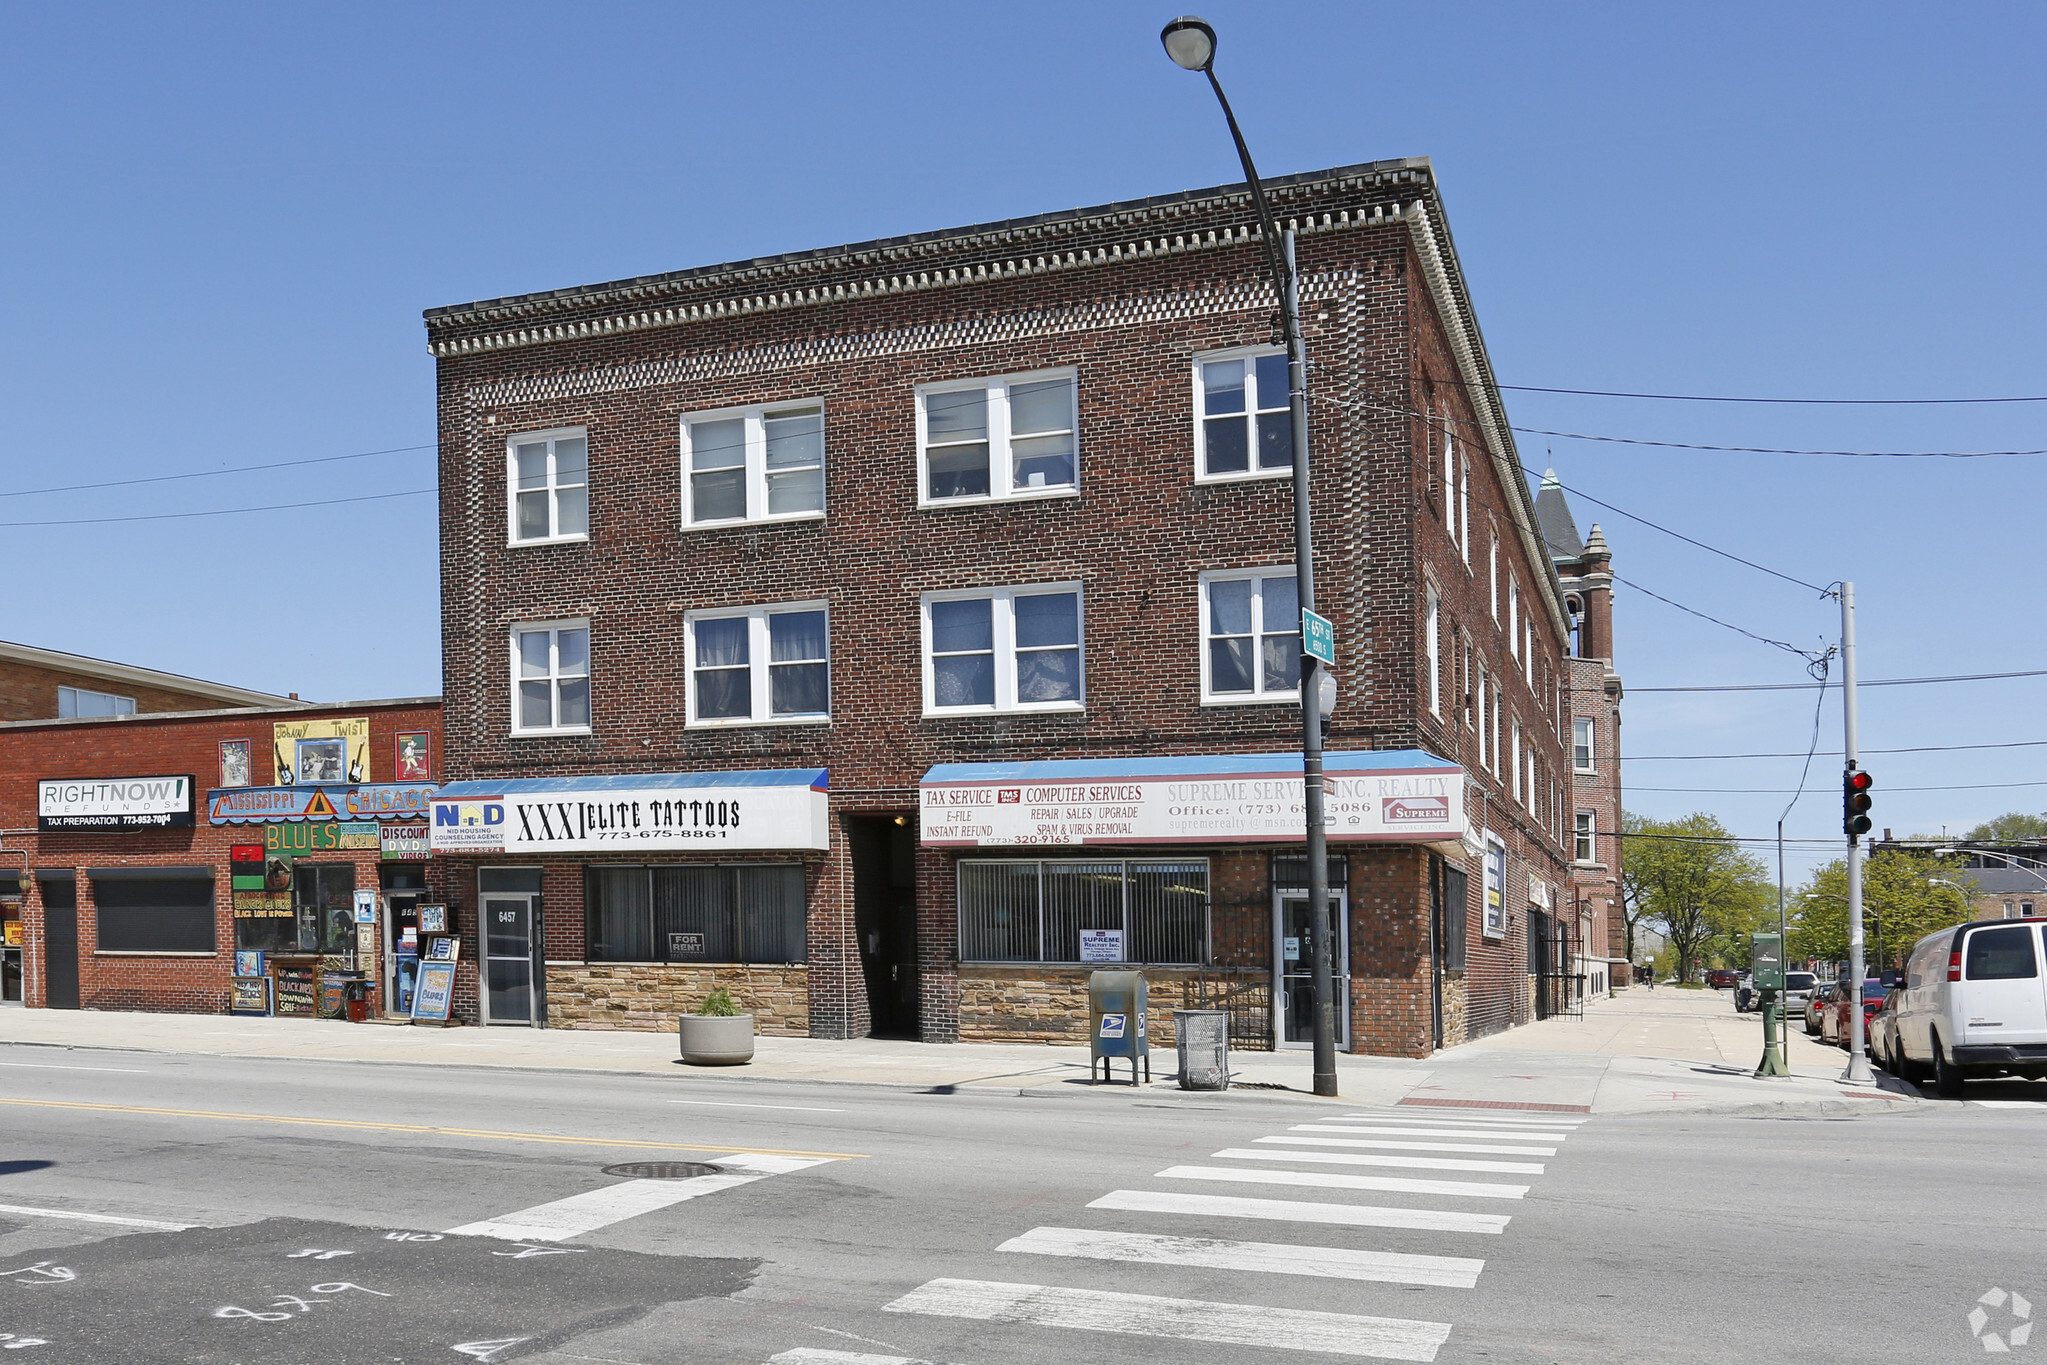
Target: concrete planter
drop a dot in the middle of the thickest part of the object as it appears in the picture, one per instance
(717, 1040)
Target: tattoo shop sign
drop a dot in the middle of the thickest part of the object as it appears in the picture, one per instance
(612, 819)
(113, 802)
(1414, 805)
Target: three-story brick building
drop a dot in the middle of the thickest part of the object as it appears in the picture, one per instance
(891, 633)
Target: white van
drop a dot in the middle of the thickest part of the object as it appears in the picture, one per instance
(1974, 1003)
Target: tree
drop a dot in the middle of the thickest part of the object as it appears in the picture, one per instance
(1905, 896)
(2013, 827)
(1691, 880)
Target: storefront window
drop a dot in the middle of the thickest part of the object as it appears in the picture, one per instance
(154, 910)
(323, 894)
(747, 913)
(1084, 911)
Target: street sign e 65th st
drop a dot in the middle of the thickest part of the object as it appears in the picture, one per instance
(1318, 637)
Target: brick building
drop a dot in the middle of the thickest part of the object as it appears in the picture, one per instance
(48, 684)
(894, 632)
(139, 852)
(1599, 948)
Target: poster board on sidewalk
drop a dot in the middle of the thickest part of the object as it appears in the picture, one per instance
(296, 991)
(435, 993)
(249, 995)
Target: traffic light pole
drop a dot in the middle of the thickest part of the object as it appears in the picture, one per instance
(1858, 1046)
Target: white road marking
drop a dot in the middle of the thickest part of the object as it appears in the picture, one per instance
(1095, 1310)
(1275, 1258)
(1330, 1180)
(1412, 1163)
(2011, 1104)
(1471, 1116)
(731, 1104)
(1299, 1211)
(52, 1066)
(1482, 1148)
(561, 1219)
(27, 1212)
(1517, 1134)
(811, 1355)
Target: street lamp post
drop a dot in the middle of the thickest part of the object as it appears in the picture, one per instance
(2018, 865)
(1190, 42)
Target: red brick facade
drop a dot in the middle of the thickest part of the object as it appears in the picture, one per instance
(1127, 297)
(31, 678)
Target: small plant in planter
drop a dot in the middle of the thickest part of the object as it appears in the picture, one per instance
(718, 1034)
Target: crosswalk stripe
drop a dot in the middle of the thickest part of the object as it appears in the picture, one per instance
(1480, 1147)
(1412, 1163)
(1331, 1180)
(73, 1215)
(1470, 1116)
(1231, 1324)
(1391, 1130)
(2010, 1104)
(561, 1219)
(1274, 1258)
(811, 1355)
(1299, 1211)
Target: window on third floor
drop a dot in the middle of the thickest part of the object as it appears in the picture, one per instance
(753, 464)
(1243, 426)
(549, 473)
(1012, 437)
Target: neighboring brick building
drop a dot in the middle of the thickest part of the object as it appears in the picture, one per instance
(122, 877)
(1584, 568)
(47, 684)
(892, 632)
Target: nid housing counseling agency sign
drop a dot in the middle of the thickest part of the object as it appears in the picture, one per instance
(114, 802)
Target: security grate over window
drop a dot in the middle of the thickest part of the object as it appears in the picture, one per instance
(1084, 911)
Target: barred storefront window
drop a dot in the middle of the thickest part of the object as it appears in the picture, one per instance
(1039, 911)
(750, 913)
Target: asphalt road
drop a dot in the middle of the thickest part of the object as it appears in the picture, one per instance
(337, 1212)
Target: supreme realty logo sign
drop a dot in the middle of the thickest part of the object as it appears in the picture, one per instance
(113, 802)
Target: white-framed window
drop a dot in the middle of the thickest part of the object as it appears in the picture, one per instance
(1464, 505)
(1494, 752)
(1470, 687)
(1012, 437)
(762, 463)
(74, 703)
(1513, 617)
(1480, 698)
(551, 678)
(549, 475)
(1004, 649)
(1493, 572)
(1581, 745)
(1449, 478)
(768, 665)
(1243, 424)
(1432, 627)
(1514, 764)
(1250, 636)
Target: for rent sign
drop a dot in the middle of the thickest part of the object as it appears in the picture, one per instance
(113, 802)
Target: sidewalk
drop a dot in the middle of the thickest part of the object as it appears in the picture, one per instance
(1664, 1052)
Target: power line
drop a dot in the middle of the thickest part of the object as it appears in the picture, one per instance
(1793, 791)
(1811, 657)
(223, 511)
(197, 474)
(1721, 398)
(1781, 450)
(1834, 753)
(1800, 687)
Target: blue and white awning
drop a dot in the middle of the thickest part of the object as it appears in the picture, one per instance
(1400, 795)
(784, 808)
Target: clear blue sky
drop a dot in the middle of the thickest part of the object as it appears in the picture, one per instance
(221, 223)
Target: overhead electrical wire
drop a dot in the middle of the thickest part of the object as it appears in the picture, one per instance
(1830, 753)
(1723, 398)
(1800, 687)
(222, 511)
(203, 474)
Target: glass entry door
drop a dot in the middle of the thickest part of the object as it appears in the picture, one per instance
(508, 959)
(1293, 950)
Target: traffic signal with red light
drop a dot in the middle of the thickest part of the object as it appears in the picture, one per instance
(1855, 802)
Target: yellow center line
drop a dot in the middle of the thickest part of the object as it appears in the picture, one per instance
(433, 1130)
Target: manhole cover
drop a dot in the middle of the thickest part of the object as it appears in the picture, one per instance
(662, 1170)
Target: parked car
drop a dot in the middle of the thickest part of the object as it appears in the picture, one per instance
(1817, 1006)
(1798, 988)
(1973, 1005)
(1883, 1027)
(1720, 978)
(1835, 1026)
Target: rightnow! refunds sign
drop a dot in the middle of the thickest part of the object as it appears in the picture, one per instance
(113, 802)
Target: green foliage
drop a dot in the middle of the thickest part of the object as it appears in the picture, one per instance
(1692, 881)
(2013, 827)
(718, 1004)
(1905, 896)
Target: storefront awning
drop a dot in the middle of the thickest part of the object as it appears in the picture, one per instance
(784, 808)
(1400, 795)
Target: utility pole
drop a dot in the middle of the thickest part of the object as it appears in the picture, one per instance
(1858, 1046)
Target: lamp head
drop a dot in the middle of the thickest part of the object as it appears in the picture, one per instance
(1190, 42)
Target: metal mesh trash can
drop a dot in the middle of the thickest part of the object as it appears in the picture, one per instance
(1204, 1039)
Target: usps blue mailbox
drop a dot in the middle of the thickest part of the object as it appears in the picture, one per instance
(1117, 1016)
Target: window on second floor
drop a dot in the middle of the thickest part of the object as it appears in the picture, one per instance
(549, 473)
(1243, 424)
(1003, 649)
(1013, 437)
(551, 678)
(753, 464)
(74, 703)
(1581, 744)
(1250, 635)
(759, 665)
(1432, 628)
(1585, 839)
